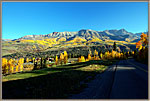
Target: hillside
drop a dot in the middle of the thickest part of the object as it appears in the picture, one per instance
(59, 41)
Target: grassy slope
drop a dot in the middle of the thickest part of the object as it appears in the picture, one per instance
(13, 47)
(56, 82)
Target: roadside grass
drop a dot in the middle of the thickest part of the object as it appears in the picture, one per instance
(52, 83)
(25, 75)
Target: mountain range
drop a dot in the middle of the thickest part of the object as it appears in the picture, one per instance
(55, 42)
(120, 35)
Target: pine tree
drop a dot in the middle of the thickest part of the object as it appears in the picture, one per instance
(114, 46)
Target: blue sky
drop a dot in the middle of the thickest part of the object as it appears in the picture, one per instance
(27, 18)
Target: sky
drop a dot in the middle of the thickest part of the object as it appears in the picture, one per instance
(28, 18)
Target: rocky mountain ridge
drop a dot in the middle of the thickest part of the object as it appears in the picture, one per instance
(88, 34)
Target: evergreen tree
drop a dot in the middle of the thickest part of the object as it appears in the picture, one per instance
(114, 46)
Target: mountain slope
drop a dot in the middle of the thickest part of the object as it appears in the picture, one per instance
(66, 40)
(121, 35)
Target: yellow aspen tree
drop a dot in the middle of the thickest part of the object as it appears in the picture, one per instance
(119, 55)
(61, 57)
(12, 68)
(90, 52)
(22, 60)
(106, 53)
(95, 52)
(33, 60)
(9, 66)
(113, 54)
(17, 67)
(128, 52)
(132, 52)
(143, 37)
(27, 60)
(7, 69)
(65, 53)
(4, 64)
(101, 55)
(21, 67)
(56, 60)
(65, 57)
(16, 61)
(86, 59)
(82, 59)
(97, 58)
(79, 59)
(139, 45)
(30, 59)
(89, 56)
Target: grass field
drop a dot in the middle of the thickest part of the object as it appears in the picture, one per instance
(56, 82)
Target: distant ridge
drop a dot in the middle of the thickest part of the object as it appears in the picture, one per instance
(88, 34)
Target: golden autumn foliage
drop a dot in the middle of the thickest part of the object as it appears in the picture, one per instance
(95, 53)
(143, 41)
(21, 60)
(86, 59)
(61, 56)
(4, 62)
(82, 59)
(96, 57)
(142, 46)
(101, 55)
(65, 57)
(138, 44)
(20, 65)
(27, 60)
(79, 59)
(56, 60)
(95, 40)
(33, 59)
(133, 53)
(112, 55)
(143, 37)
(45, 42)
(106, 55)
(4, 65)
(89, 56)
(77, 39)
(12, 65)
